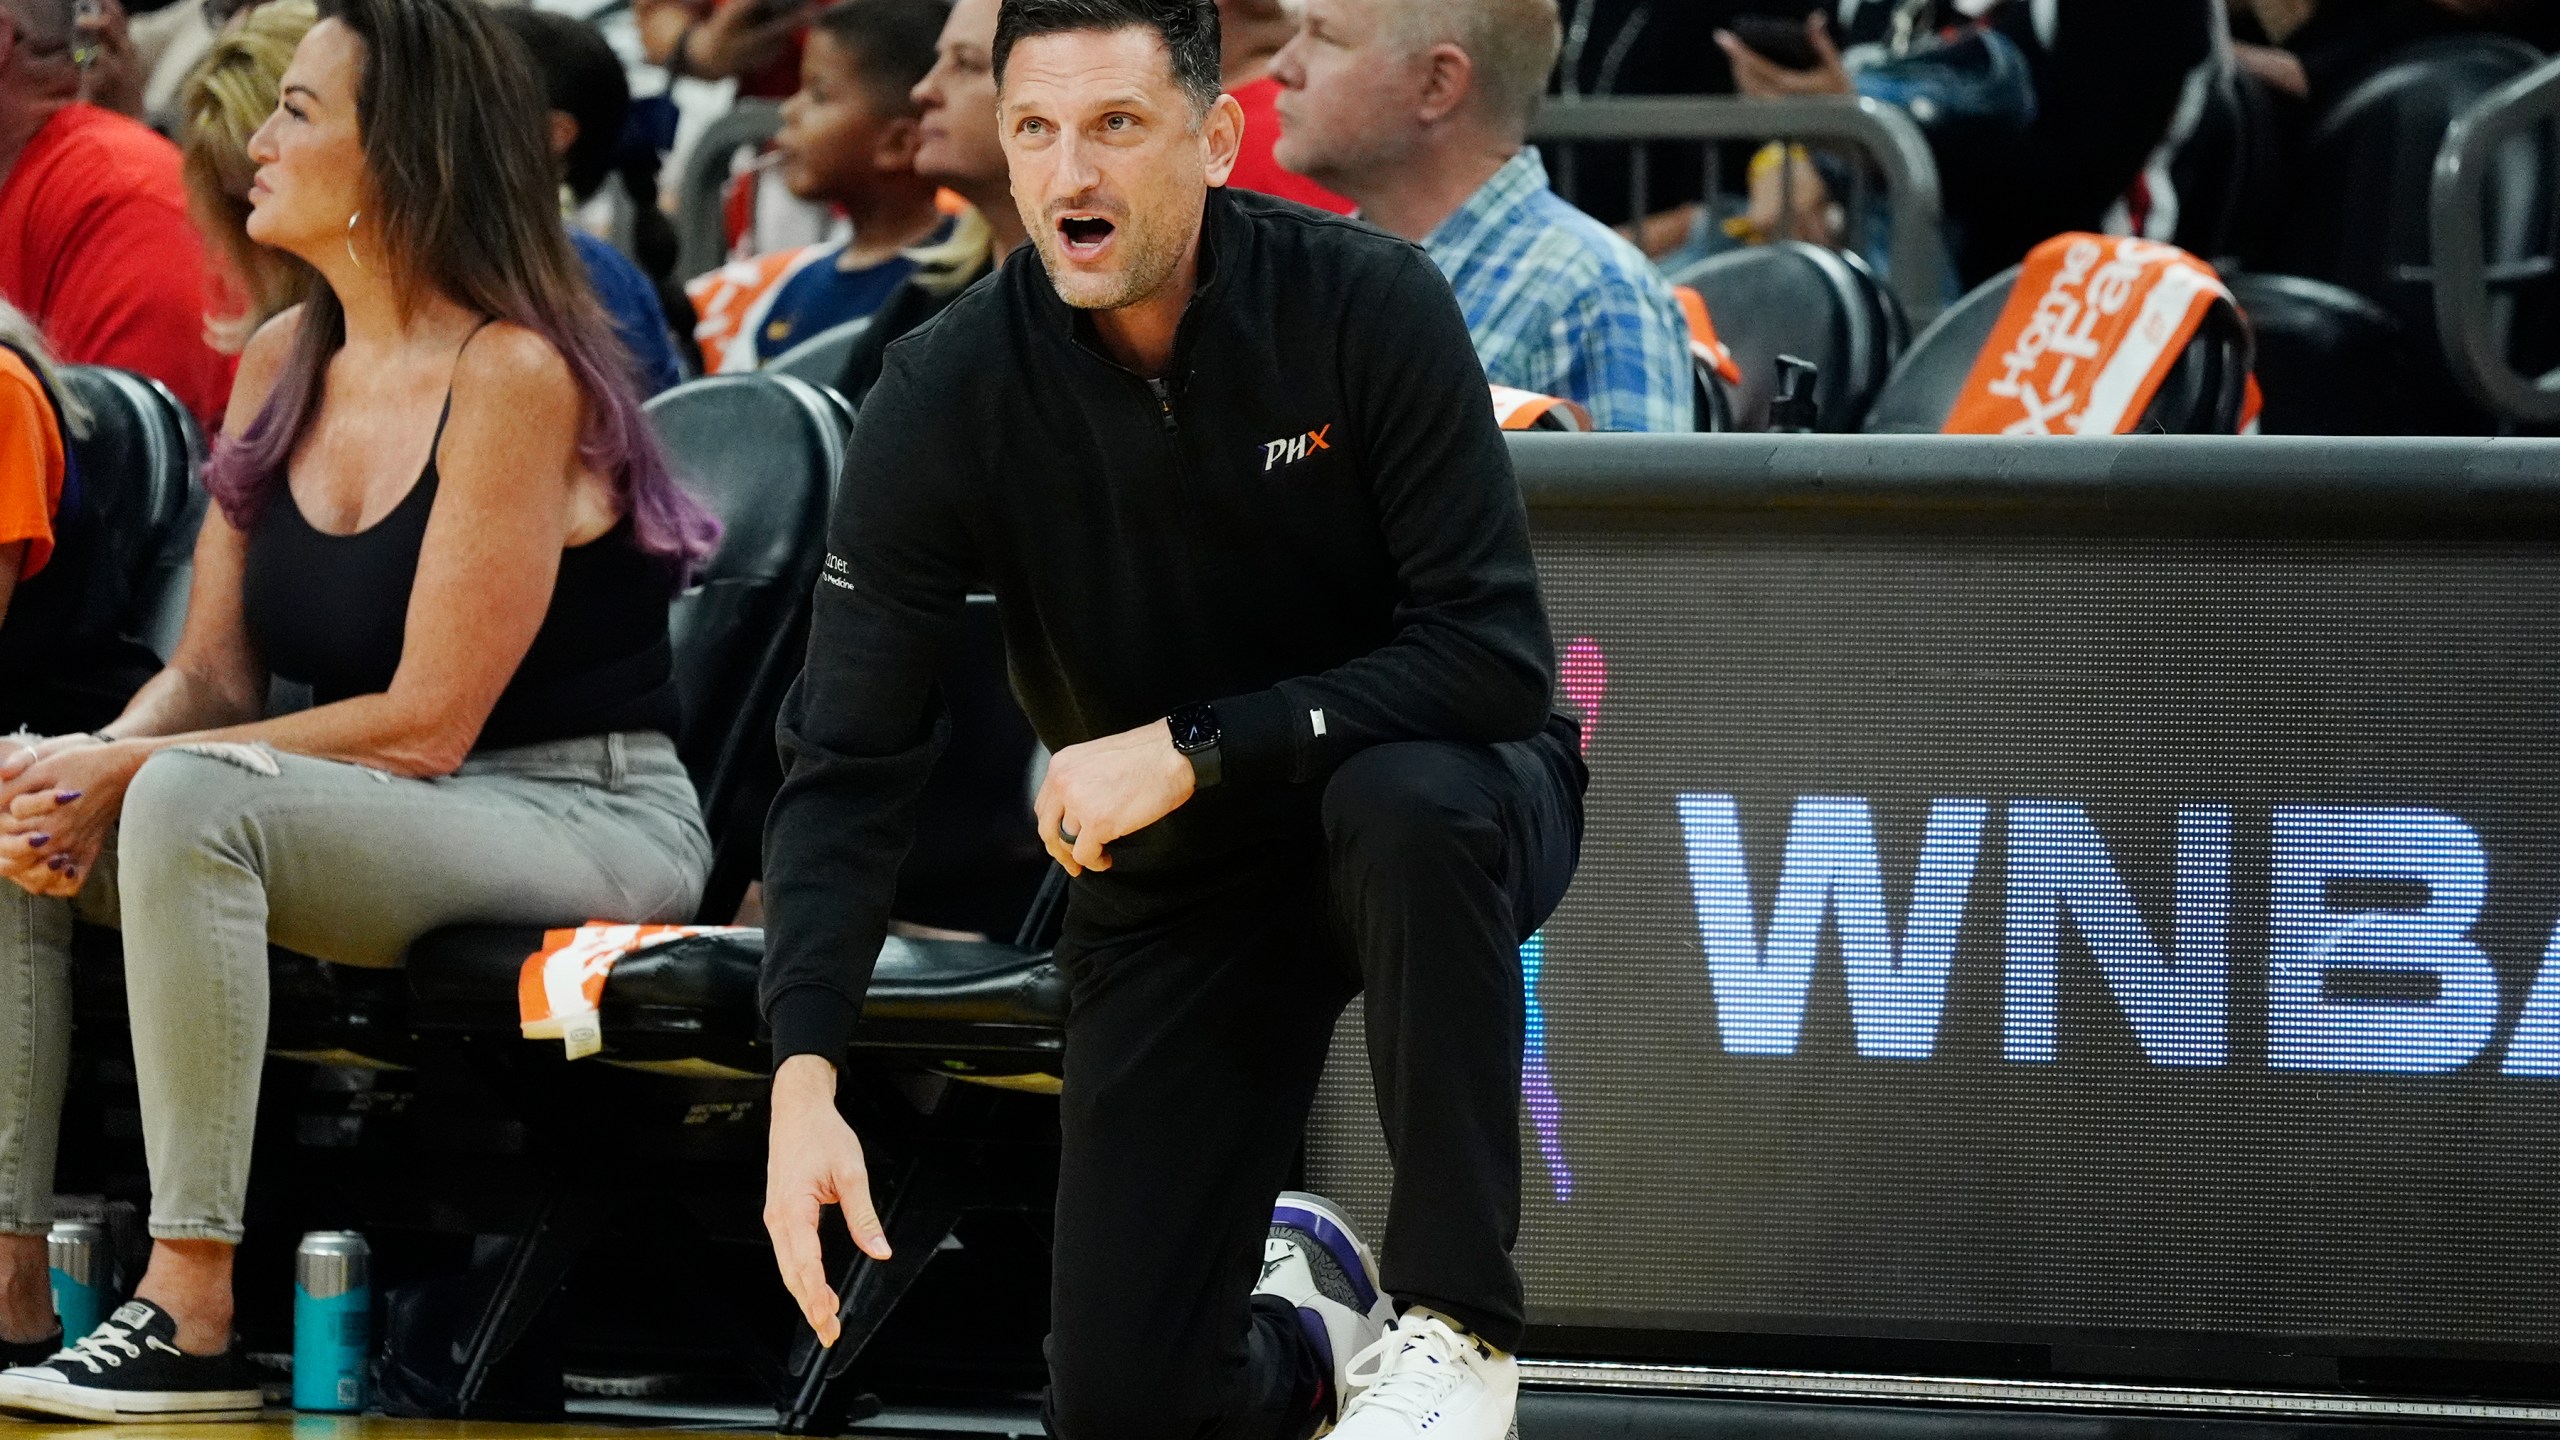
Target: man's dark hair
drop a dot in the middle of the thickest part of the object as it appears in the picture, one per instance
(1189, 28)
(891, 42)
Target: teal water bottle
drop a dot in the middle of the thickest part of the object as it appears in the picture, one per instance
(332, 1322)
(76, 1253)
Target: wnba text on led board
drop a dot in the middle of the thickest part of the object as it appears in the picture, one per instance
(2352, 982)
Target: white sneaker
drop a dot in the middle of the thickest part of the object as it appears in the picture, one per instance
(1316, 1262)
(1424, 1380)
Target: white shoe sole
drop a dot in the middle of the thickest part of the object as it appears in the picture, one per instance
(79, 1402)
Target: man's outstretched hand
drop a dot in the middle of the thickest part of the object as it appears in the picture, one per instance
(1104, 789)
(814, 1161)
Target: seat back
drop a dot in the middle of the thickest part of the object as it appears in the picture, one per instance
(2201, 395)
(2330, 361)
(139, 468)
(820, 358)
(763, 451)
(2359, 211)
(1821, 305)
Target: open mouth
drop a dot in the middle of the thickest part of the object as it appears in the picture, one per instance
(1084, 236)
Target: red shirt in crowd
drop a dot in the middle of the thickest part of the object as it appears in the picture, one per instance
(1255, 169)
(96, 248)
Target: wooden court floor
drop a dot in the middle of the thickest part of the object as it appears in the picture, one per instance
(285, 1425)
(597, 1420)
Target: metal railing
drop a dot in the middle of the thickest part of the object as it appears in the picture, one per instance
(1916, 254)
(2467, 284)
(702, 242)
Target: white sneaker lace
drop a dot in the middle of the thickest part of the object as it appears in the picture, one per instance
(1409, 1370)
(96, 1349)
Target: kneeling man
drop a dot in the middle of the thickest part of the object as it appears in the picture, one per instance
(1267, 592)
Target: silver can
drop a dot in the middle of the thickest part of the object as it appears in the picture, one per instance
(331, 1263)
(332, 1322)
(78, 1249)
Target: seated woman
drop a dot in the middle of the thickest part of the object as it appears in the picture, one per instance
(439, 506)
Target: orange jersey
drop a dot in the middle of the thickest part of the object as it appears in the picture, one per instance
(31, 464)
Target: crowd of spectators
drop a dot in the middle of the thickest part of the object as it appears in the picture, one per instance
(2045, 116)
(848, 141)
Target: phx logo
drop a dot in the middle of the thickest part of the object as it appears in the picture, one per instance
(1276, 453)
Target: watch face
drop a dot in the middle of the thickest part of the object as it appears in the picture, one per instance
(1194, 727)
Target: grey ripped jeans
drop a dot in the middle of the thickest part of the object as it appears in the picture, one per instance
(224, 848)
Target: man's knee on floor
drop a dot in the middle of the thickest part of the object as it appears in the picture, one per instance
(1407, 802)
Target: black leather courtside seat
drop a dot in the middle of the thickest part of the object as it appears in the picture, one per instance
(970, 1009)
(1796, 299)
(820, 358)
(139, 465)
(2202, 394)
(2330, 361)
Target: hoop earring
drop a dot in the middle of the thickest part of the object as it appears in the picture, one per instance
(351, 241)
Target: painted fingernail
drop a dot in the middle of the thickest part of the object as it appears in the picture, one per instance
(38, 842)
(65, 797)
(58, 863)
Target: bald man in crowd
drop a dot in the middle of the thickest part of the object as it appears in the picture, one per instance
(1419, 111)
(94, 240)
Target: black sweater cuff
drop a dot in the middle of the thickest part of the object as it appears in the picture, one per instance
(1257, 740)
(812, 1020)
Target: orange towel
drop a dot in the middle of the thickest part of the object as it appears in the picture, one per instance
(562, 984)
(2093, 326)
(1702, 335)
(1523, 409)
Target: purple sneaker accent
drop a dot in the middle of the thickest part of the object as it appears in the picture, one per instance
(1320, 1227)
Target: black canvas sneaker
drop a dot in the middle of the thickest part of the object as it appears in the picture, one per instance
(130, 1368)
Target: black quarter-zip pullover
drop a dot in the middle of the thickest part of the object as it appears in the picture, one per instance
(1310, 522)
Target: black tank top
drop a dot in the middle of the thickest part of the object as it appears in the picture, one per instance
(330, 611)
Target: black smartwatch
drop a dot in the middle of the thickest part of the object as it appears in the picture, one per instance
(1196, 735)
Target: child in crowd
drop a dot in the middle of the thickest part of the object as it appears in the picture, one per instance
(848, 139)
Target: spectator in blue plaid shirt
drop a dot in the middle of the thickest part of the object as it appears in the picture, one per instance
(1419, 110)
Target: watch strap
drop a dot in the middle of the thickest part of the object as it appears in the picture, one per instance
(1207, 768)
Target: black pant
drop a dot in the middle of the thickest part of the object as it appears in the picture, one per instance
(1200, 1023)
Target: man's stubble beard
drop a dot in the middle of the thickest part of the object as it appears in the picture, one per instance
(1150, 265)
